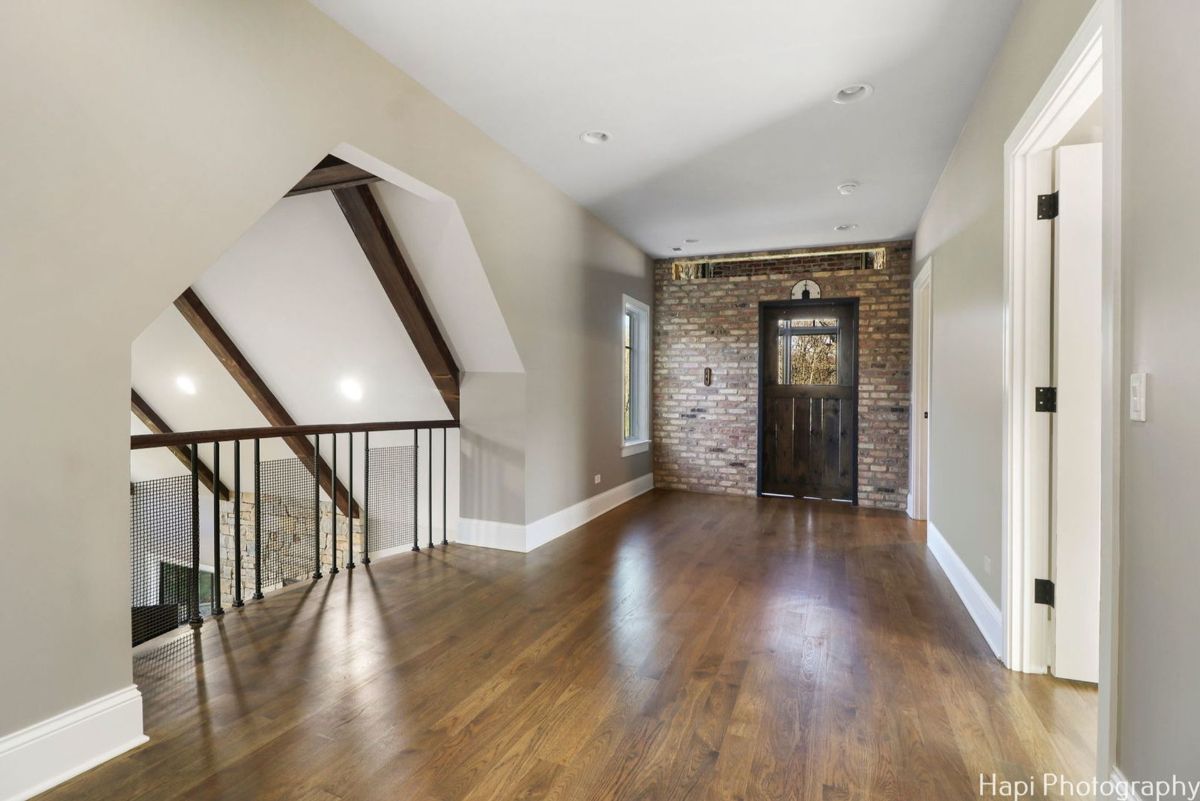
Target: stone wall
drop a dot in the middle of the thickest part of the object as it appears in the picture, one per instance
(705, 438)
(299, 538)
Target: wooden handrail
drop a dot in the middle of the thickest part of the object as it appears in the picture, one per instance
(142, 441)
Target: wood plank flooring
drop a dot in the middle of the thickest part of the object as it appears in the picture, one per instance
(680, 647)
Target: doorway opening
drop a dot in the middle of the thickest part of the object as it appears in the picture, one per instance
(1062, 395)
(808, 399)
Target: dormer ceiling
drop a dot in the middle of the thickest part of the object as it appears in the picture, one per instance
(721, 120)
(305, 309)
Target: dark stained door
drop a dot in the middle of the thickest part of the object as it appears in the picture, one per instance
(808, 399)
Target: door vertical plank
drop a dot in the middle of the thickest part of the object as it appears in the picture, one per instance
(803, 452)
(816, 465)
(783, 444)
(832, 431)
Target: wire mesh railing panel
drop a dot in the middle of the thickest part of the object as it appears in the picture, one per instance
(286, 496)
(391, 515)
(160, 556)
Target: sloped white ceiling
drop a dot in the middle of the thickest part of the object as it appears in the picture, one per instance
(721, 114)
(298, 297)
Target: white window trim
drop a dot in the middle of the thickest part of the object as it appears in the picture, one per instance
(640, 442)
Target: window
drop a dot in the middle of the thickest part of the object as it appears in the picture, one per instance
(173, 586)
(808, 352)
(635, 377)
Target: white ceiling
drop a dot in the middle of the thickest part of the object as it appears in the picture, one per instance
(720, 111)
(298, 297)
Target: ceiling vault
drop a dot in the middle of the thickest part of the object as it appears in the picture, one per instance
(157, 425)
(235, 362)
(379, 245)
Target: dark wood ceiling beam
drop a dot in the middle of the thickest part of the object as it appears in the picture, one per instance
(239, 367)
(331, 173)
(157, 425)
(366, 219)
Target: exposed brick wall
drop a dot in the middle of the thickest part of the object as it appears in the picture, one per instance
(705, 438)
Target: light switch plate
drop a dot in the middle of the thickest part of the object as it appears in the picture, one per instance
(1137, 397)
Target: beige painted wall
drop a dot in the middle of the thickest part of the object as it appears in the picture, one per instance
(1159, 712)
(963, 230)
(140, 140)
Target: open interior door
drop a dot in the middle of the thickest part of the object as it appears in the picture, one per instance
(1077, 355)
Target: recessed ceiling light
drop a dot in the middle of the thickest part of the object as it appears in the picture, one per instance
(853, 93)
(845, 227)
(185, 385)
(595, 137)
(351, 389)
(676, 250)
(691, 241)
(848, 188)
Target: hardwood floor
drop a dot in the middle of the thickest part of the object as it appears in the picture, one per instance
(680, 647)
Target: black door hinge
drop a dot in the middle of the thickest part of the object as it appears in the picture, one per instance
(1045, 399)
(1047, 208)
(1043, 592)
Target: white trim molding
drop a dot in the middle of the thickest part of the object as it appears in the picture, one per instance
(48, 753)
(641, 340)
(553, 526)
(515, 537)
(922, 367)
(635, 446)
(1068, 92)
(979, 604)
(491, 534)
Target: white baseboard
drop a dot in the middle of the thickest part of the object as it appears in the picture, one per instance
(491, 534)
(45, 754)
(982, 608)
(515, 537)
(553, 526)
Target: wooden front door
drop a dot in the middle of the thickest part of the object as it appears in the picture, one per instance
(808, 399)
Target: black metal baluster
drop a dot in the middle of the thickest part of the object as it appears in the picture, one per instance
(429, 484)
(193, 598)
(237, 524)
(445, 525)
(366, 560)
(317, 503)
(416, 492)
(333, 482)
(258, 593)
(350, 509)
(217, 609)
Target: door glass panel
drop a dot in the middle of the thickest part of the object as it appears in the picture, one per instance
(808, 359)
(808, 351)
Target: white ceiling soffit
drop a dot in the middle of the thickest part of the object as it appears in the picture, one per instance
(721, 115)
(435, 241)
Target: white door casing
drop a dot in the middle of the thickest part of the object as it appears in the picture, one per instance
(922, 338)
